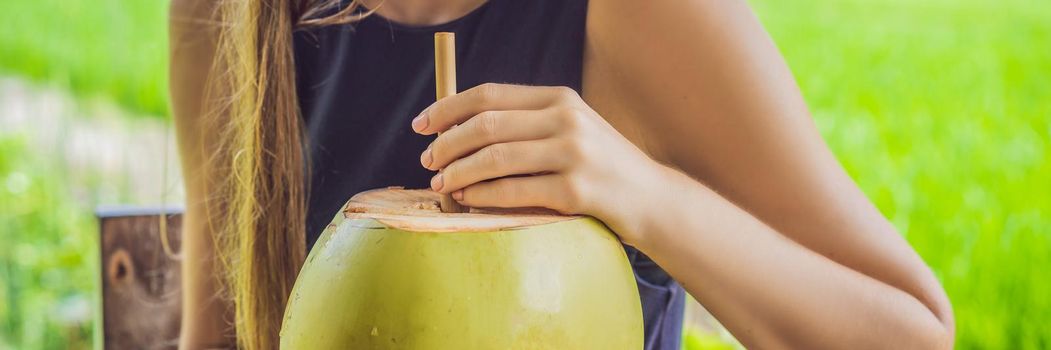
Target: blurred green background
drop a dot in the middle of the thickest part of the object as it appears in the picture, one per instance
(941, 111)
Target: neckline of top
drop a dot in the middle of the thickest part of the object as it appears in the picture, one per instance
(399, 26)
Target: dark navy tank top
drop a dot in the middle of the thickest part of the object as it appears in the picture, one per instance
(361, 84)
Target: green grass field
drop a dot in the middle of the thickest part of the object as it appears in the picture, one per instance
(941, 110)
(112, 49)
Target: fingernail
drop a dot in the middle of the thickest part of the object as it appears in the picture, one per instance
(436, 182)
(458, 195)
(426, 159)
(420, 122)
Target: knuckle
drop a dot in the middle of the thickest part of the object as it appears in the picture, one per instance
(508, 189)
(449, 173)
(572, 119)
(485, 93)
(573, 194)
(575, 149)
(496, 155)
(496, 191)
(488, 125)
(566, 93)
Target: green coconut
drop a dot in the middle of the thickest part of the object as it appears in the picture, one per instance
(393, 272)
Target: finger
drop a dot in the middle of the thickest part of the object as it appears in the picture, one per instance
(485, 129)
(551, 191)
(499, 160)
(456, 109)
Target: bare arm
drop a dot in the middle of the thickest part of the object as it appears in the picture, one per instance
(778, 242)
(205, 316)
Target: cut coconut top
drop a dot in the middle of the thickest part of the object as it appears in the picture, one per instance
(417, 210)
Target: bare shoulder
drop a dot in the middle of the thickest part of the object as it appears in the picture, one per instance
(634, 22)
(676, 67)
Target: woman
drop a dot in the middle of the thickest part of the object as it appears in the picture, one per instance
(678, 124)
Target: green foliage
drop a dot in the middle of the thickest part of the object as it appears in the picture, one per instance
(694, 339)
(939, 109)
(48, 259)
(113, 49)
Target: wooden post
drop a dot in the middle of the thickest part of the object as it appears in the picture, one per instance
(445, 85)
(141, 286)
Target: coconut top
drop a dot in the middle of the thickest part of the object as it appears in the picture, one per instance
(418, 210)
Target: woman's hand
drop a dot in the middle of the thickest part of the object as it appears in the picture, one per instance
(524, 146)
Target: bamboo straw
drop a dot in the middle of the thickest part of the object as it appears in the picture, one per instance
(445, 85)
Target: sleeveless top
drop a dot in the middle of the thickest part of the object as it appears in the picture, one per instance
(361, 84)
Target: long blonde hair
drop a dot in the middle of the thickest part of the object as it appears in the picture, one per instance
(259, 204)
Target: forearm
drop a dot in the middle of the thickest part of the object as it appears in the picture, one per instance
(768, 290)
(206, 315)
